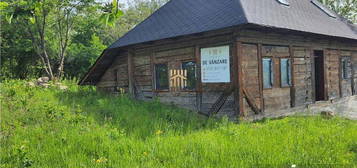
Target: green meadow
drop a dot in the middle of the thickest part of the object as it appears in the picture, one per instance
(79, 127)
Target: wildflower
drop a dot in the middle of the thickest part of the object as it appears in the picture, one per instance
(293, 166)
(159, 132)
(101, 160)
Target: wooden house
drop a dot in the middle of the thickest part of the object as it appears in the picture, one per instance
(233, 57)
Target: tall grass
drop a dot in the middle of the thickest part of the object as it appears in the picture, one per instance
(80, 127)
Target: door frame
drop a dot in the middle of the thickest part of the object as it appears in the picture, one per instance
(323, 64)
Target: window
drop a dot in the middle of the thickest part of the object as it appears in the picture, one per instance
(323, 8)
(284, 2)
(161, 77)
(345, 68)
(268, 73)
(191, 74)
(285, 72)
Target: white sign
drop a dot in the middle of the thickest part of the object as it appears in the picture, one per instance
(215, 65)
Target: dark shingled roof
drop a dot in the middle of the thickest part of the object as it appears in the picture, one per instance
(184, 17)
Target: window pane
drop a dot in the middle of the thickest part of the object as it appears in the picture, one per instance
(191, 74)
(346, 68)
(161, 74)
(285, 72)
(268, 75)
(344, 73)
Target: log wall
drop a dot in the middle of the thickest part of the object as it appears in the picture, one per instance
(174, 58)
(300, 49)
(302, 76)
(116, 76)
(346, 84)
(251, 78)
(332, 61)
(354, 72)
(253, 46)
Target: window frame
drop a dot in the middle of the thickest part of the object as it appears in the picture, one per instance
(155, 77)
(195, 75)
(345, 67)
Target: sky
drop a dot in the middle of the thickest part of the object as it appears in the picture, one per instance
(120, 1)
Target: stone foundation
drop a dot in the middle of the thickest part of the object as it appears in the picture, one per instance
(343, 107)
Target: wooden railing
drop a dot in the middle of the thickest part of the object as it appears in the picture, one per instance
(220, 101)
(178, 80)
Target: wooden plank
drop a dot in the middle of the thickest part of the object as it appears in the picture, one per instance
(353, 72)
(235, 75)
(251, 101)
(325, 56)
(313, 80)
(292, 87)
(131, 73)
(240, 78)
(339, 73)
(198, 81)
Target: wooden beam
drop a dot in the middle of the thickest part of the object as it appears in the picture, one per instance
(276, 67)
(292, 87)
(325, 67)
(220, 101)
(199, 80)
(235, 77)
(240, 78)
(353, 75)
(117, 79)
(339, 73)
(250, 101)
(152, 68)
(260, 77)
(131, 73)
(313, 79)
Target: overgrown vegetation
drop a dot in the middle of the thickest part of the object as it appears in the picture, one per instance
(79, 127)
(67, 36)
(62, 38)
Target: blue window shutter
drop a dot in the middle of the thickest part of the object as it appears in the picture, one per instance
(285, 72)
(268, 75)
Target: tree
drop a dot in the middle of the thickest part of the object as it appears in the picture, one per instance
(136, 12)
(345, 8)
(49, 26)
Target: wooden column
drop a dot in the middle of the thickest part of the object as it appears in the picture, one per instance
(353, 75)
(313, 80)
(240, 77)
(235, 76)
(198, 77)
(131, 73)
(153, 75)
(339, 73)
(326, 75)
(292, 87)
(260, 77)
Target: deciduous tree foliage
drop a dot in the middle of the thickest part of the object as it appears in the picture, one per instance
(63, 38)
(346, 8)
